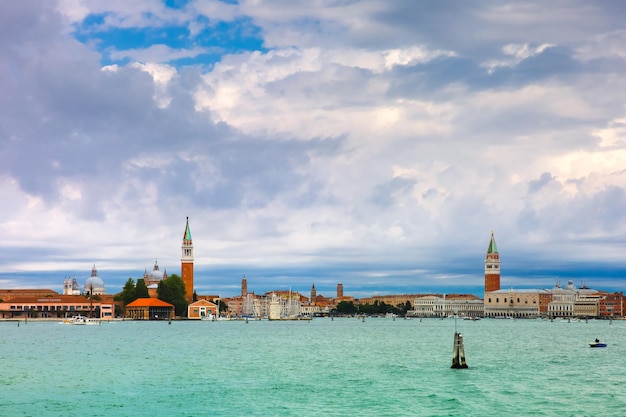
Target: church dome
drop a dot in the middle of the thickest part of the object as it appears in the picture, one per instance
(94, 284)
(155, 276)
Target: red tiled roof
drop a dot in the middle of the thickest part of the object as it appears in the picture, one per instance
(149, 302)
(202, 302)
(52, 299)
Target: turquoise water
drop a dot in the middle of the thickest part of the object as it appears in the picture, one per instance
(343, 367)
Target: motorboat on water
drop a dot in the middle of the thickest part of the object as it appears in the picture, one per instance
(597, 344)
(81, 320)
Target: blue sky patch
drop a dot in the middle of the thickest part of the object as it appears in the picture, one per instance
(220, 38)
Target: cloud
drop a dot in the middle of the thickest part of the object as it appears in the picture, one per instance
(372, 142)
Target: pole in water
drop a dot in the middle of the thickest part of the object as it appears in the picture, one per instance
(458, 354)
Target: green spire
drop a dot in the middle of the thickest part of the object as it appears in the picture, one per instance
(187, 231)
(492, 245)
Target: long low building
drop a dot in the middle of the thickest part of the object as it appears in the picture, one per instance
(435, 306)
(55, 306)
(523, 303)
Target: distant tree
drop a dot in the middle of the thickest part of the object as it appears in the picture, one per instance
(195, 296)
(369, 308)
(142, 290)
(346, 307)
(223, 307)
(172, 290)
(129, 292)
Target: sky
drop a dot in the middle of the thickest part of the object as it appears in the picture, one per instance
(369, 142)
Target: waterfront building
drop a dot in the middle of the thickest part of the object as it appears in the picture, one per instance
(545, 298)
(522, 303)
(186, 260)
(611, 305)
(310, 310)
(442, 306)
(201, 309)
(56, 306)
(587, 301)
(340, 290)
(149, 309)
(425, 306)
(563, 299)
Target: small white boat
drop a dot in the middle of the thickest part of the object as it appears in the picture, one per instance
(81, 321)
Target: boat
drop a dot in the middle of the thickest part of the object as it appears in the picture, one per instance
(597, 344)
(81, 320)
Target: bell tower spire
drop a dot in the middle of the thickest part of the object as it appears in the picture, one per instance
(492, 266)
(186, 260)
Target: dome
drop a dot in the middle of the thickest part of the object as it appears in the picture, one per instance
(94, 285)
(155, 276)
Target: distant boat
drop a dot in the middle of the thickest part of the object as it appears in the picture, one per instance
(597, 344)
(81, 320)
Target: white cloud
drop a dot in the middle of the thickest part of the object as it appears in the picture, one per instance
(360, 138)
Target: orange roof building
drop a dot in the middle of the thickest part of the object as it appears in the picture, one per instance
(149, 309)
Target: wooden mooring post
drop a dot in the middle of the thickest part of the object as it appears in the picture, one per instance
(458, 354)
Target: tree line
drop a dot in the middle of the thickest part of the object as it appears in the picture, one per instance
(349, 308)
(171, 290)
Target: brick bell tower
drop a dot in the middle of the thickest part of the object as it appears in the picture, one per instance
(186, 267)
(492, 266)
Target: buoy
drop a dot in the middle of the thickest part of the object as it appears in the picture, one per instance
(458, 354)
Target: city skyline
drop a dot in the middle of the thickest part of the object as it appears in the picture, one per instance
(367, 142)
